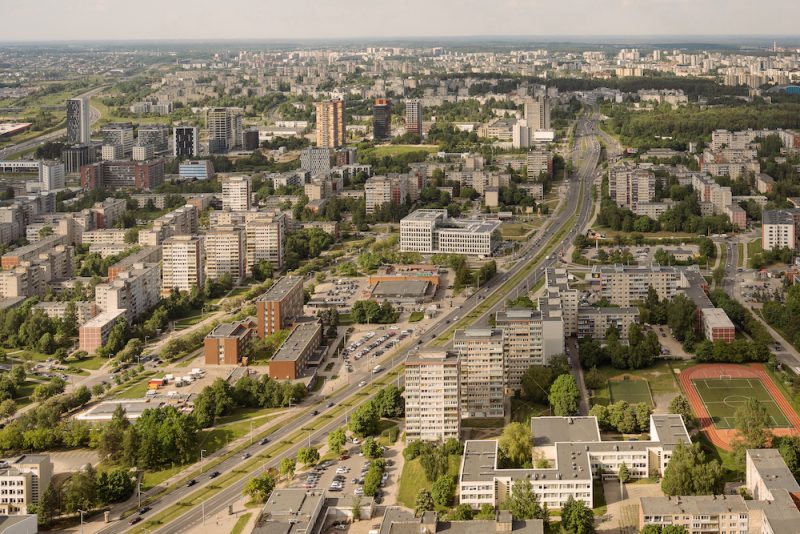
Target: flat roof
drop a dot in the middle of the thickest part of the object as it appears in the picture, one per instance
(105, 410)
(610, 310)
(694, 504)
(549, 430)
(297, 342)
(237, 329)
(290, 511)
(772, 469)
(477, 334)
(716, 318)
(401, 288)
(432, 357)
(281, 288)
(103, 318)
(776, 217)
(670, 429)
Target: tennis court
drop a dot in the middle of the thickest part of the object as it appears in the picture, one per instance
(724, 395)
(631, 391)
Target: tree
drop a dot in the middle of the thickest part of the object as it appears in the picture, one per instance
(364, 421)
(523, 502)
(50, 507)
(624, 473)
(308, 456)
(372, 480)
(371, 448)
(7, 408)
(389, 402)
(260, 487)
(789, 447)
(443, 491)
(423, 503)
(515, 444)
(665, 529)
(564, 396)
(463, 512)
(576, 517)
(337, 440)
(752, 422)
(287, 467)
(114, 486)
(689, 472)
(680, 405)
(594, 379)
(356, 507)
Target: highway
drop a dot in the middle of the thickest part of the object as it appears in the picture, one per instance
(52, 136)
(579, 186)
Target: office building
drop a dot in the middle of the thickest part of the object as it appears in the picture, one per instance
(537, 113)
(76, 157)
(123, 174)
(292, 357)
(382, 119)
(481, 353)
(225, 253)
(279, 305)
(779, 229)
(23, 483)
(198, 170)
(530, 337)
(380, 190)
(135, 291)
(698, 514)
(432, 394)
(186, 142)
(182, 264)
(154, 135)
(79, 130)
(236, 193)
(52, 176)
(119, 134)
(316, 160)
(414, 116)
(264, 238)
(227, 343)
(576, 457)
(250, 139)
(331, 130)
(432, 231)
(94, 333)
(224, 129)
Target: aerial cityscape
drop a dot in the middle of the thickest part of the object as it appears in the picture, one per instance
(452, 267)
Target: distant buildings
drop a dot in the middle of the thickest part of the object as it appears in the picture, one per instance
(199, 170)
(182, 264)
(629, 186)
(315, 160)
(79, 130)
(331, 131)
(539, 163)
(414, 116)
(224, 129)
(382, 119)
(537, 113)
(123, 174)
(186, 142)
(431, 231)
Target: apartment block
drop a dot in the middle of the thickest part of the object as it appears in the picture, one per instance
(594, 322)
(627, 285)
(155, 136)
(106, 236)
(118, 134)
(23, 483)
(481, 353)
(539, 162)
(380, 190)
(145, 255)
(182, 264)
(224, 129)
(629, 186)
(530, 337)
(382, 119)
(227, 342)
(236, 192)
(264, 238)
(537, 113)
(397, 520)
(123, 174)
(559, 296)
(52, 175)
(79, 127)
(779, 229)
(331, 130)
(31, 252)
(698, 514)
(431, 231)
(225, 253)
(181, 221)
(281, 303)
(94, 333)
(292, 358)
(432, 394)
(316, 160)
(136, 291)
(186, 141)
(414, 116)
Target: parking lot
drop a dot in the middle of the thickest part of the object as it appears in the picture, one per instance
(370, 346)
(341, 293)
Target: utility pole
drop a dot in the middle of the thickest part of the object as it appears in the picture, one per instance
(81, 512)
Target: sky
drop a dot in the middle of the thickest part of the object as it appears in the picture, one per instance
(48, 20)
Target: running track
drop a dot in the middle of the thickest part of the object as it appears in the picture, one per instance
(725, 439)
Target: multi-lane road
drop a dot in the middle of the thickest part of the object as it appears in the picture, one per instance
(575, 213)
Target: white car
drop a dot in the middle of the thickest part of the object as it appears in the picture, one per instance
(362, 383)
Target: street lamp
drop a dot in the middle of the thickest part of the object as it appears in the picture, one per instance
(202, 452)
(81, 512)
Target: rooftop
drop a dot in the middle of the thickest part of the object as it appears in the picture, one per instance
(777, 217)
(695, 504)
(290, 511)
(401, 288)
(549, 430)
(237, 329)
(297, 341)
(281, 288)
(477, 334)
(773, 470)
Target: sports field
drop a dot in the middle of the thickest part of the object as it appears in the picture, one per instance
(722, 396)
(631, 391)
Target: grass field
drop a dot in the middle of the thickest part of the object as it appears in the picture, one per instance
(394, 150)
(722, 397)
(631, 391)
(659, 378)
(754, 247)
(413, 479)
(238, 528)
(740, 258)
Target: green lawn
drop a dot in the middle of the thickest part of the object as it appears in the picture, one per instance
(522, 410)
(413, 479)
(247, 413)
(723, 396)
(152, 479)
(416, 316)
(135, 389)
(238, 528)
(753, 247)
(631, 390)
(93, 363)
(215, 438)
(29, 355)
(394, 150)
(659, 377)
(740, 258)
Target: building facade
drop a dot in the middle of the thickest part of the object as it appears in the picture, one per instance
(432, 393)
(182, 264)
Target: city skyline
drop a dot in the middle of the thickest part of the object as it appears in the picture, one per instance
(248, 19)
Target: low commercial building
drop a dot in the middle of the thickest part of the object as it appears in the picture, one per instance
(432, 231)
(432, 393)
(198, 170)
(292, 358)
(717, 326)
(698, 514)
(23, 483)
(281, 303)
(402, 291)
(291, 511)
(94, 333)
(104, 411)
(227, 342)
(402, 273)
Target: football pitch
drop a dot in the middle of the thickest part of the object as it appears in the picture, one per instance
(722, 396)
(631, 391)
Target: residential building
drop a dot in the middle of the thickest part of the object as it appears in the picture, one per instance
(52, 176)
(182, 264)
(316, 160)
(264, 238)
(23, 483)
(279, 305)
(380, 190)
(432, 394)
(559, 296)
(292, 357)
(778, 229)
(481, 353)
(111, 152)
(123, 174)
(331, 130)
(537, 113)
(225, 253)
(199, 170)
(94, 333)
(627, 285)
(147, 254)
(186, 142)
(135, 291)
(226, 344)
(142, 152)
(698, 514)
(414, 116)
(539, 163)
(236, 192)
(180, 221)
(155, 136)
(79, 129)
(382, 119)
(594, 322)
(774, 490)
(432, 231)
(58, 310)
(628, 186)
(765, 183)
(31, 252)
(530, 337)
(249, 141)
(397, 520)
(224, 129)
(118, 134)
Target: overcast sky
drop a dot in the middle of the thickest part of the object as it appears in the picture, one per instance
(287, 19)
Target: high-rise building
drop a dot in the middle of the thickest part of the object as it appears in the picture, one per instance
(331, 131)
(119, 134)
(225, 253)
(432, 393)
(123, 174)
(76, 157)
(315, 160)
(480, 351)
(264, 241)
(382, 119)
(236, 191)
(155, 135)
(224, 129)
(380, 190)
(539, 162)
(79, 130)
(51, 175)
(250, 139)
(414, 116)
(182, 264)
(136, 291)
(186, 142)
(531, 337)
(537, 113)
(282, 302)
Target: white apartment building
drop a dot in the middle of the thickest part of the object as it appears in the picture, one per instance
(480, 351)
(135, 290)
(778, 229)
(264, 238)
(432, 231)
(23, 482)
(181, 221)
(594, 322)
(316, 160)
(628, 186)
(107, 236)
(537, 113)
(118, 134)
(182, 264)
(111, 152)
(52, 176)
(432, 393)
(236, 192)
(559, 296)
(142, 152)
(627, 285)
(225, 253)
(698, 514)
(530, 337)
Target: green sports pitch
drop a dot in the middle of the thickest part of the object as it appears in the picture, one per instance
(630, 391)
(722, 396)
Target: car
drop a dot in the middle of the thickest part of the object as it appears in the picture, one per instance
(330, 405)
(245, 456)
(362, 383)
(135, 520)
(264, 441)
(214, 474)
(341, 527)
(344, 457)
(144, 510)
(315, 412)
(191, 483)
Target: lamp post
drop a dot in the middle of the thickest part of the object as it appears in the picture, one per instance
(81, 512)
(202, 452)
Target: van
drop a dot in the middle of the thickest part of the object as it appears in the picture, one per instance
(377, 369)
